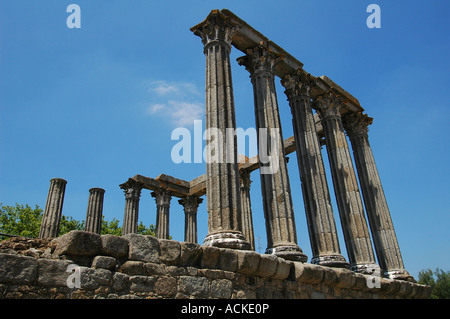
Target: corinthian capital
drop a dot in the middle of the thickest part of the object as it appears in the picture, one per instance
(215, 28)
(356, 124)
(190, 203)
(162, 197)
(329, 105)
(131, 189)
(298, 84)
(260, 58)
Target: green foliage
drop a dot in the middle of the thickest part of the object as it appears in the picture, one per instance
(20, 220)
(24, 221)
(439, 281)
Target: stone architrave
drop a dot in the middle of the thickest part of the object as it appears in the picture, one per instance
(162, 199)
(379, 216)
(222, 172)
(316, 195)
(94, 213)
(132, 191)
(190, 204)
(53, 209)
(247, 219)
(350, 205)
(277, 202)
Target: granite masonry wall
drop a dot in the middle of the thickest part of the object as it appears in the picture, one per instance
(86, 265)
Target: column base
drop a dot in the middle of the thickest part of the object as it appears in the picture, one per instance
(227, 239)
(399, 274)
(288, 252)
(367, 269)
(336, 261)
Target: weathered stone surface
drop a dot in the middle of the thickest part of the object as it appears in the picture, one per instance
(195, 286)
(78, 243)
(53, 272)
(142, 283)
(210, 257)
(191, 254)
(228, 259)
(120, 281)
(105, 262)
(248, 261)
(267, 266)
(283, 269)
(143, 248)
(114, 246)
(17, 269)
(132, 267)
(221, 288)
(170, 251)
(166, 286)
(93, 278)
(308, 273)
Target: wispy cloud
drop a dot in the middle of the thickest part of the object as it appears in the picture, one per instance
(177, 101)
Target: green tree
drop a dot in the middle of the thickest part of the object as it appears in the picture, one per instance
(22, 220)
(439, 281)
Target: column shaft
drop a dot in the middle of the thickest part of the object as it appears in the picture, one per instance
(351, 210)
(379, 216)
(316, 195)
(247, 219)
(53, 209)
(94, 212)
(275, 187)
(222, 171)
(162, 199)
(190, 205)
(132, 192)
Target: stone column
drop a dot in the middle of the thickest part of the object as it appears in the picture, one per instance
(351, 210)
(162, 199)
(247, 219)
(316, 195)
(222, 171)
(94, 212)
(190, 205)
(53, 209)
(277, 201)
(132, 192)
(382, 228)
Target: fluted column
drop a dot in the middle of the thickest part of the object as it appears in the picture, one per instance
(222, 171)
(53, 209)
(277, 201)
(316, 196)
(348, 197)
(379, 216)
(190, 205)
(247, 219)
(94, 212)
(162, 199)
(132, 192)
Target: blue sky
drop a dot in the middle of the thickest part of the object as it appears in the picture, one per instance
(98, 104)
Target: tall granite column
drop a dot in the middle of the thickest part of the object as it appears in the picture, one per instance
(132, 192)
(190, 205)
(351, 210)
(277, 201)
(222, 171)
(94, 212)
(381, 226)
(162, 199)
(247, 219)
(53, 209)
(316, 195)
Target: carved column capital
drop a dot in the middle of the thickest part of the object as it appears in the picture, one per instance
(260, 59)
(244, 179)
(329, 105)
(190, 203)
(356, 124)
(216, 28)
(162, 197)
(298, 84)
(131, 189)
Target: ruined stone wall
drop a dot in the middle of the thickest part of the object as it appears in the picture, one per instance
(86, 265)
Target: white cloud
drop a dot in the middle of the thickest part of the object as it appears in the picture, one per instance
(177, 101)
